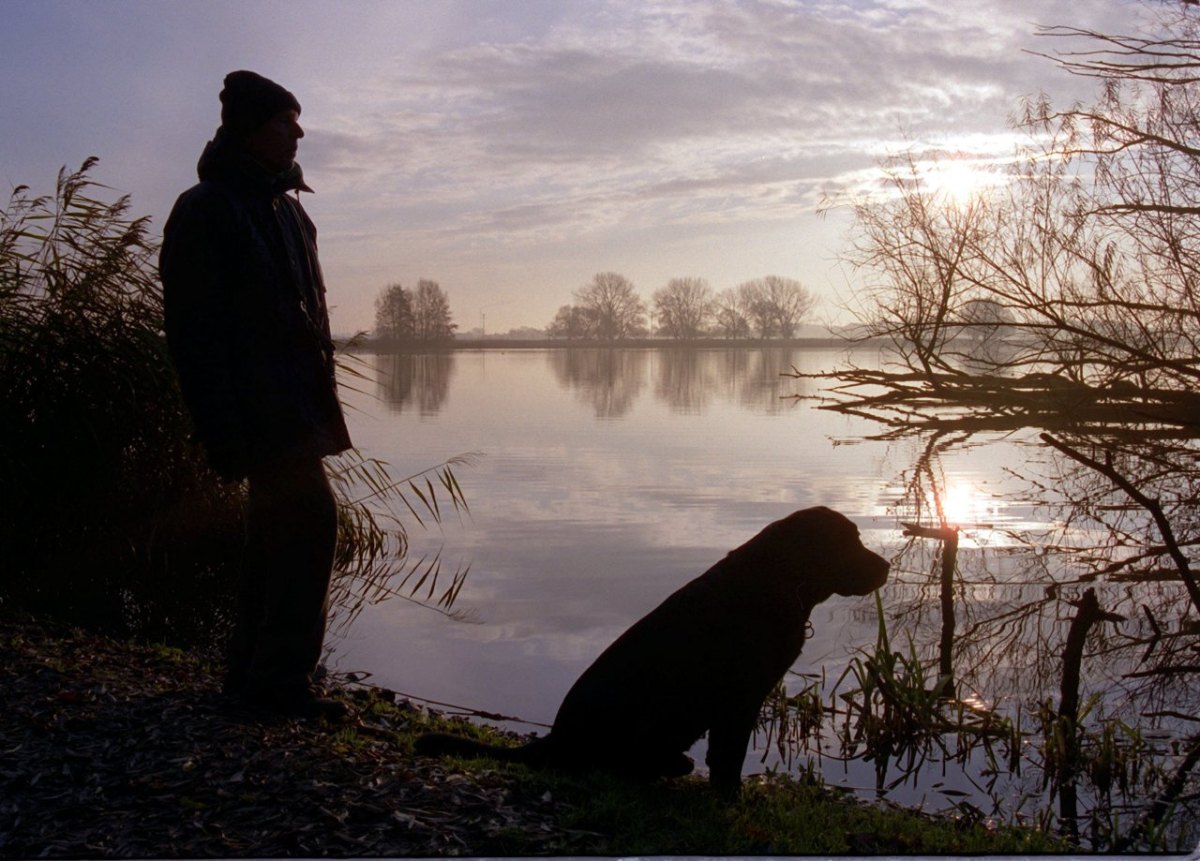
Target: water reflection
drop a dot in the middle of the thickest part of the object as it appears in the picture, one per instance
(580, 525)
(684, 381)
(690, 380)
(404, 380)
(610, 381)
(1017, 604)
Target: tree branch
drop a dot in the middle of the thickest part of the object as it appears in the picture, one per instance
(1164, 525)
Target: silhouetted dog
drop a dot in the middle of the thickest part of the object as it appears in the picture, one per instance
(702, 661)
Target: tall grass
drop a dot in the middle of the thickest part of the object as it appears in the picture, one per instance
(109, 516)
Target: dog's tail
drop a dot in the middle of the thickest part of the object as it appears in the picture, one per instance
(535, 753)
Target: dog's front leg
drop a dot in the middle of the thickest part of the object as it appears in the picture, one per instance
(727, 742)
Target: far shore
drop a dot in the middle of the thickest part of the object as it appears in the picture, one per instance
(456, 344)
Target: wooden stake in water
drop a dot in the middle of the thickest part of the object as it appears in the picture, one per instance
(948, 535)
(1068, 706)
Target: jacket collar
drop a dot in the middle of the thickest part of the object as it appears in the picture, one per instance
(222, 161)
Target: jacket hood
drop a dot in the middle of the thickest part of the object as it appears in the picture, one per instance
(222, 161)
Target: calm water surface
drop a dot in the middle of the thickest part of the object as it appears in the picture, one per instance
(605, 480)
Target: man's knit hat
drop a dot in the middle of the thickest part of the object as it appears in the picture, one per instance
(249, 100)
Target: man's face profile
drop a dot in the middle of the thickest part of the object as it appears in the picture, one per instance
(274, 143)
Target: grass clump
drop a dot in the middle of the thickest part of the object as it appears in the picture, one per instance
(100, 483)
(776, 815)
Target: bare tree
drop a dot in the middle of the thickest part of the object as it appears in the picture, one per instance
(393, 313)
(684, 307)
(773, 305)
(1085, 264)
(1063, 305)
(617, 309)
(790, 301)
(755, 306)
(572, 322)
(431, 313)
(730, 318)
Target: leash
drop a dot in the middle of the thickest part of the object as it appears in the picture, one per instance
(358, 677)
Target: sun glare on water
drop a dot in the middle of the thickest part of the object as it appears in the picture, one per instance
(963, 504)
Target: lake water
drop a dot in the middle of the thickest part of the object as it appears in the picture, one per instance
(605, 479)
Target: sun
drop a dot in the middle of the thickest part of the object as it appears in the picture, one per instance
(958, 180)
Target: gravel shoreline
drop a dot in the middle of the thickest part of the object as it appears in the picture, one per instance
(111, 749)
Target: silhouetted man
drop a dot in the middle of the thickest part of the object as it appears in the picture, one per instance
(248, 328)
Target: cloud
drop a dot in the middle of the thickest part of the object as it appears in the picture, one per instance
(671, 97)
(674, 121)
(507, 134)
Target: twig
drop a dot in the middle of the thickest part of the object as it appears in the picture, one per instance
(1162, 805)
(463, 711)
(1164, 525)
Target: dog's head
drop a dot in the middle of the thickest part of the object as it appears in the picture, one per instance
(820, 552)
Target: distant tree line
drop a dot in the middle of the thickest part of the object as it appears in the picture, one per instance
(608, 308)
(413, 315)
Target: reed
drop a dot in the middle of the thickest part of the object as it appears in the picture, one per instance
(109, 516)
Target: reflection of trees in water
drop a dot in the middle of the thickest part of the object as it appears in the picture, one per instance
(688, 379)
(421, 378)
(751, 377)
(609, 379)
(685, 380)
(1014, 601)
(748, 376)
(1137, 559)
(760, 381)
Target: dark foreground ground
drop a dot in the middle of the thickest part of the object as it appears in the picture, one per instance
(119, 750)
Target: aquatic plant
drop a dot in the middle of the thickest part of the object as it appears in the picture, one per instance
(897, 714)
(1091, 776)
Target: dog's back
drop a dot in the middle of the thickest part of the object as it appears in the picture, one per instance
(661, 682)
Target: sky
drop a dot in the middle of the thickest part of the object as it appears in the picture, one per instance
(511, 149)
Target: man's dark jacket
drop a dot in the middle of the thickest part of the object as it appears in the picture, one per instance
(246, 318)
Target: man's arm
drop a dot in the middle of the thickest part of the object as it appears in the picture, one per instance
(194, 265)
